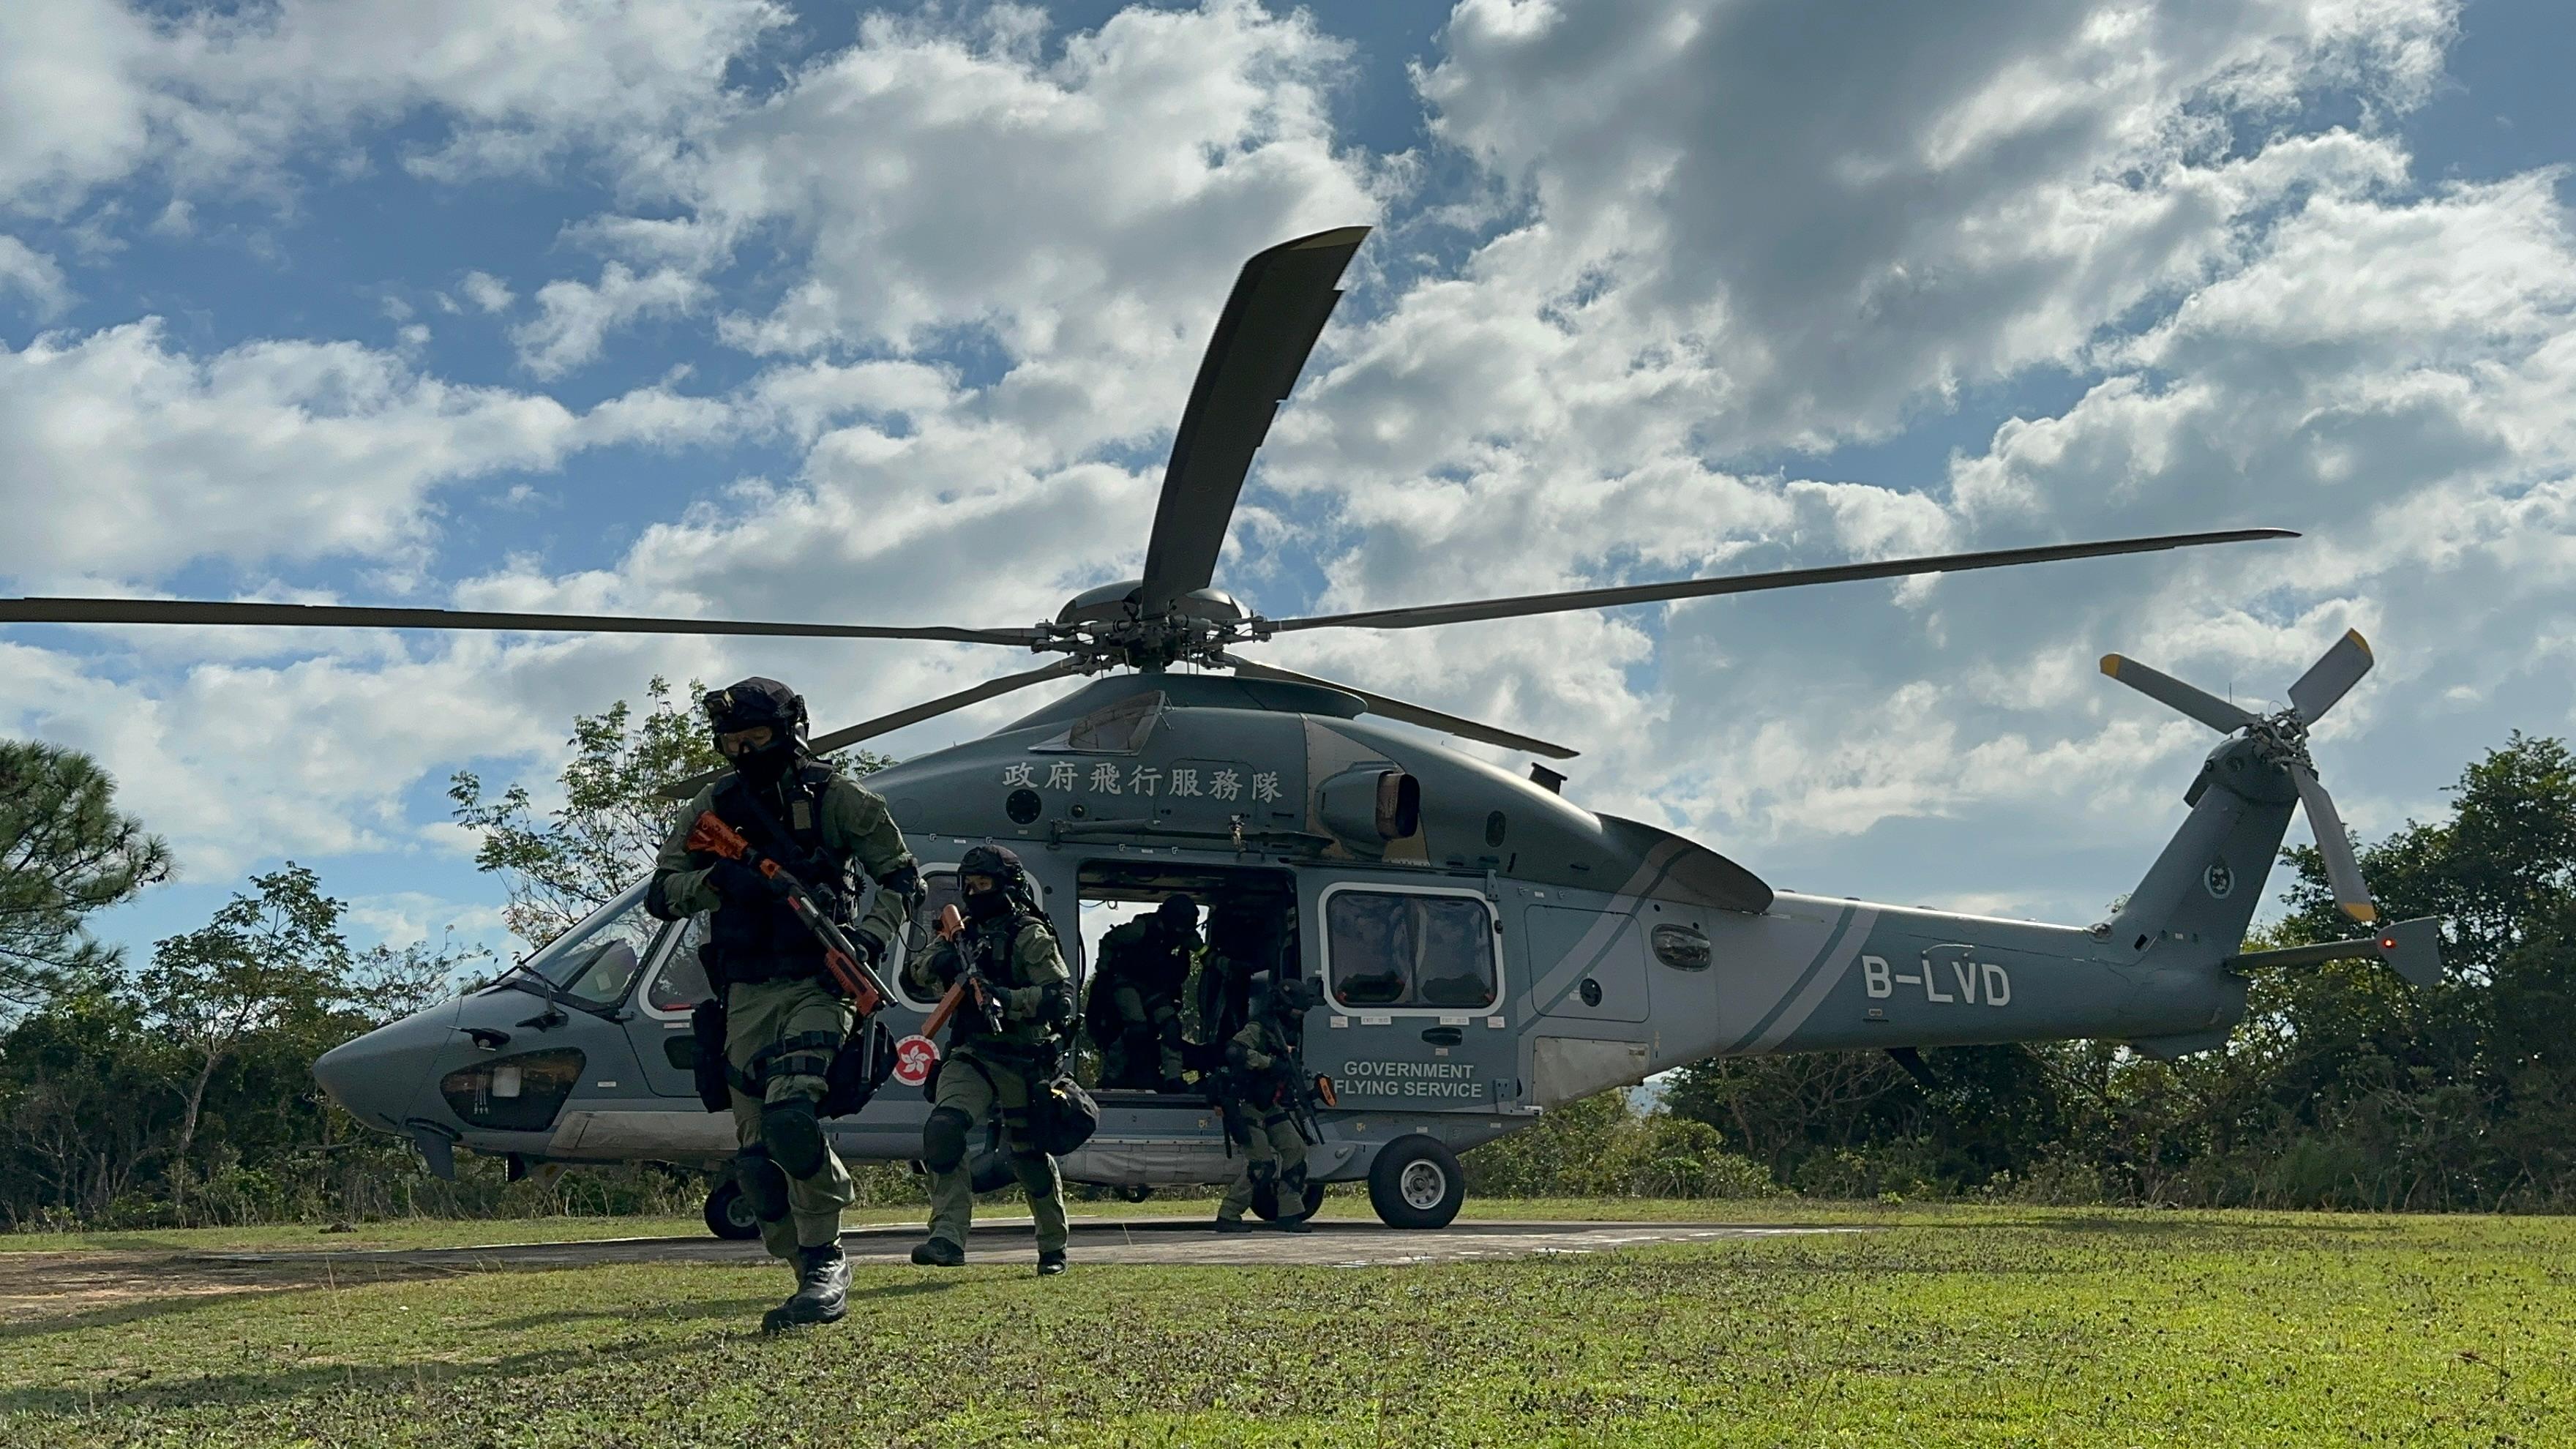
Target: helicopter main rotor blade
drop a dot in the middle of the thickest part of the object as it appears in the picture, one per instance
(2166, 690)
(340, 616)
(2326, 681)
(1425, 615)
(1409, 713)
(2343, 872)
(1269, 324)
(915, 714)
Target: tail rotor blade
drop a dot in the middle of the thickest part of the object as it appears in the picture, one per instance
(2342, 871)
(2338, 670)
(2163, 688)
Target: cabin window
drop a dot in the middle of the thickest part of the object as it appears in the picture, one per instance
(938, 888)
(1388, 948)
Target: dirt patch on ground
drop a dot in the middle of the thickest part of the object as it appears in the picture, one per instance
(53, 1285)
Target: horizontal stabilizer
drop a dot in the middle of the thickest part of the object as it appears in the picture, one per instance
(2412, 949)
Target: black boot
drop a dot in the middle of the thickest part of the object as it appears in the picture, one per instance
(1296, 1224)
(1232, 1225)
(938, 1253)
(1050, 1262)
(822, 1290)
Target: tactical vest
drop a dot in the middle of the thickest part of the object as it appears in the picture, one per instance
(766, 942)
(993, 947)
(1138, 955)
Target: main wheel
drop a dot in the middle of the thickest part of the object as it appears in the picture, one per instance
(729, 1213)
(1135, 1194)
(1416, 1183)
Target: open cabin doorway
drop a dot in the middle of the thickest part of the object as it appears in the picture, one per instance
(1247, 922)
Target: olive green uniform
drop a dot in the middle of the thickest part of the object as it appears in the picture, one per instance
(1144, 970)
(1259, 1061)
(983, 1073)
(781, 1035)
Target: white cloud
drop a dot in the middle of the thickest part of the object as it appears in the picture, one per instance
(35, 276)
(488, 292)
(574, 319)
(91, 91)
(130, 458)
(1085, 212)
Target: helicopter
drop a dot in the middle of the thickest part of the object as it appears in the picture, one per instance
(1489, 948)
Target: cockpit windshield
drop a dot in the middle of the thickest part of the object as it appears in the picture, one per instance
(594, 963)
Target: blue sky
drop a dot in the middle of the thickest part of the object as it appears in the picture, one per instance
(739, 308)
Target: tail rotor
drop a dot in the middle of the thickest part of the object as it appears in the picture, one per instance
(2282, 738)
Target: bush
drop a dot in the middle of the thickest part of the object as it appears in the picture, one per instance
(1602, 1146)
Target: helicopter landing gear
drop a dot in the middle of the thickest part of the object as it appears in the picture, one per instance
(1417, 1183)
(1134, 1194)
(729, 1213)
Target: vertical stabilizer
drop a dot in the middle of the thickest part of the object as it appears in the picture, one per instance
(2203, 889)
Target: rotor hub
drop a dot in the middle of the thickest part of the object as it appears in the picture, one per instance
(1110, 626)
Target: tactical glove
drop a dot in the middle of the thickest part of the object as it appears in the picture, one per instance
(739, 884)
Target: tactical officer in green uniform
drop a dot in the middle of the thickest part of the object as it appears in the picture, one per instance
(1135, 1016)
(1260, 1091)
(784, 1019)
(1005, 1040)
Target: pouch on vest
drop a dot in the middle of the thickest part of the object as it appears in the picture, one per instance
(707, 1066)
(860, 1067)
(1062, 1116)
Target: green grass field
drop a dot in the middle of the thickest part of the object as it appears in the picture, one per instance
(1945, 1326)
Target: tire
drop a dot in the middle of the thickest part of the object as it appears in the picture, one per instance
(1265, 1205)
(1134, 1194)
(1417, 1183)
(728, 1215)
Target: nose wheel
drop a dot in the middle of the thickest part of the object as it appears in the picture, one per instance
(728, 1213)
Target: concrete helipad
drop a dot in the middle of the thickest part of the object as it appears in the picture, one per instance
(1333, 1243)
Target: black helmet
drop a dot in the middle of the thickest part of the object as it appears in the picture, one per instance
(756, 701)
(750, 704)
(1009, 880)
(997, 861)
(1291, 999)
(1179, 913)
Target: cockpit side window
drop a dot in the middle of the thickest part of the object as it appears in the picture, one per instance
(682, 981)
(1383, 948)
(595, 962)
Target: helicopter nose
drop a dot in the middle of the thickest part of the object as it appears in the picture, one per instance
(378, 1077)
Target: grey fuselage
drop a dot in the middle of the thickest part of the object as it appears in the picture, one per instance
(1620, 950)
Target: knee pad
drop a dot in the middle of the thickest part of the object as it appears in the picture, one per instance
(793, 1135)
(1294, 1179)
(943, 1139)
(763, 1185)
(1265, 1174)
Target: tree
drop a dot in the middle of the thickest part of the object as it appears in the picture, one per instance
(262, 963)
(65, 852)
(559, 867)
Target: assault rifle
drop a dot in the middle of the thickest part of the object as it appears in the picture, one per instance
(970, 984)
(845, 963)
